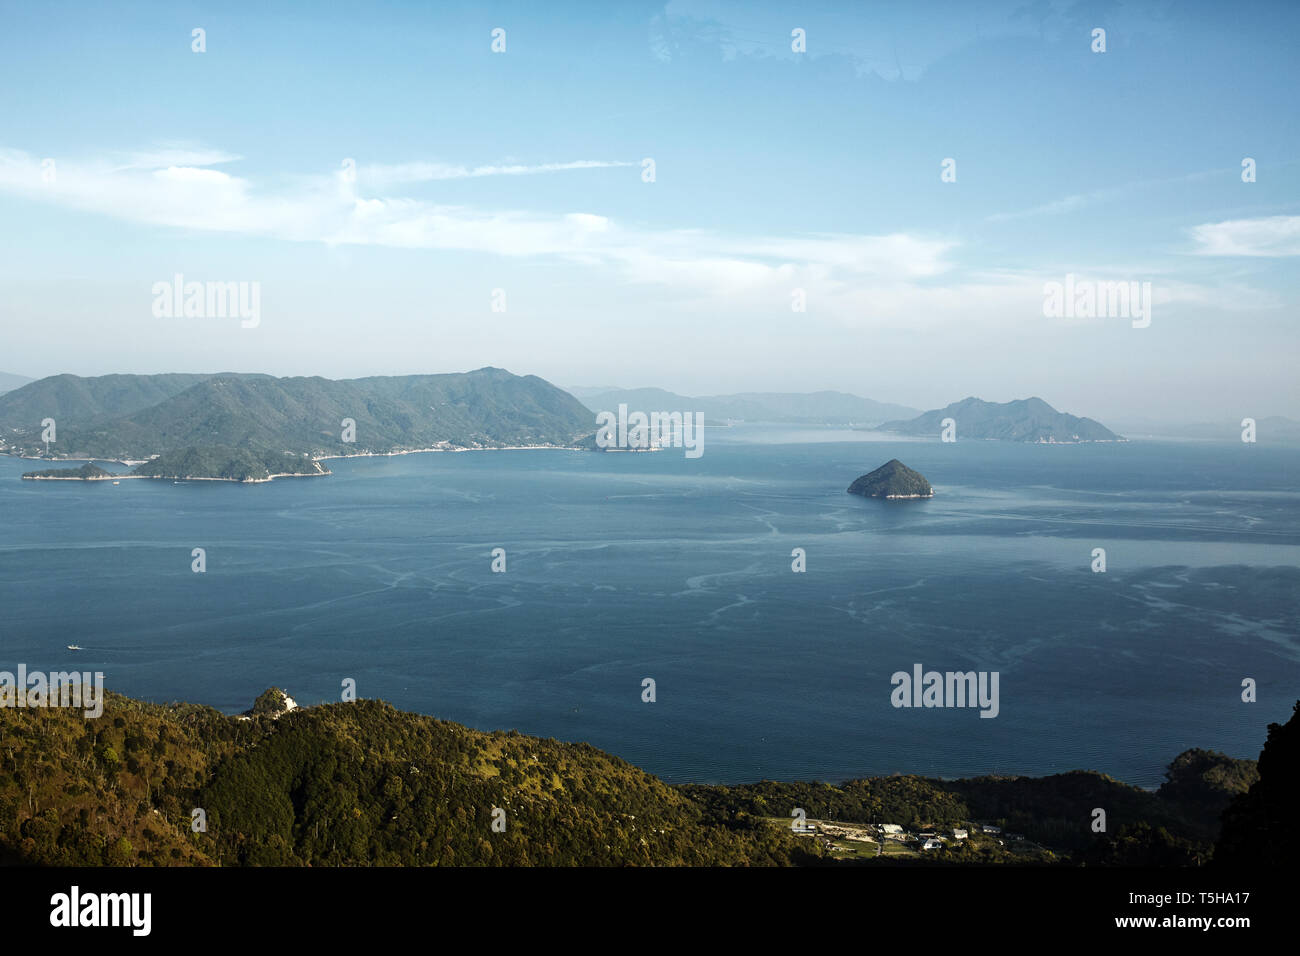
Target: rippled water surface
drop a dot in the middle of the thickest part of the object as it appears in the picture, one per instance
(626, 566)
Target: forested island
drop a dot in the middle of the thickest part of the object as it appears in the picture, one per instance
(362, 783)
(212, 463)
(1023, 420)
(229, 464)
(246, 427)
(87, 472)
(893, 479)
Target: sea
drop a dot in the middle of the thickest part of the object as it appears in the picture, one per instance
(623, 568)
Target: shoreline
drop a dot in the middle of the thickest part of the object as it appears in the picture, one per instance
(454, 448)
(257, 481)
(241, 481)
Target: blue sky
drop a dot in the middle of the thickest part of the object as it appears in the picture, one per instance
(774, 171)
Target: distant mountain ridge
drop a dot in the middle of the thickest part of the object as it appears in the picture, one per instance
(72, 398)
(809, 408)
(9, 381)
(136, 417)
(1024, 420)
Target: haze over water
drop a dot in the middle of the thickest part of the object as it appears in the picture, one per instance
(626, 566)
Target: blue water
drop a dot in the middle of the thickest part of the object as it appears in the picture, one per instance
(625, 566)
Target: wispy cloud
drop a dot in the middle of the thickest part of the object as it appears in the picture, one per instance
(1271, 236)
(341, 209)
(174, 154)
(899, 280)
(383, 176)
(1053, 208)
(1077, 201)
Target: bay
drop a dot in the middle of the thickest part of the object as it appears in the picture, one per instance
(627, 566)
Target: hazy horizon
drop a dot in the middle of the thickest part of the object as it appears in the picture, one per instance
(575, 389)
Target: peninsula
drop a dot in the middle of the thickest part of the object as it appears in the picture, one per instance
(87, 472)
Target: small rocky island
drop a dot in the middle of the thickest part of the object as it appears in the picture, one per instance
(892, 480)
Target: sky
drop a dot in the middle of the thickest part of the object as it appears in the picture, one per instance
(410, 200)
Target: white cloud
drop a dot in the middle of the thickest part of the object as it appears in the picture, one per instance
(175, 154)
(385, 176)
(1271, 236)
(898, 280)
(333, 210)
(190, 174)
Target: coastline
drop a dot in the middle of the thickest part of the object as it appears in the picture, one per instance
(324, 472)
(241, 481)
(449, 448)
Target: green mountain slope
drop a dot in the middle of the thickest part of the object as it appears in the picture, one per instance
(363, 783)
(341, 784)
(1027, 420)
(77, 401)
(481, 409)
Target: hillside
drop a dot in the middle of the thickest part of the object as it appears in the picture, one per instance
(136, 417)
(363, 783)
(1025, 420)
(335, 785)
(73, 400)
(1174, 826)
(814, 408)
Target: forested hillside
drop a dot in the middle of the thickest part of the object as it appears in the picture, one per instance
(140, 416)
(363, 783)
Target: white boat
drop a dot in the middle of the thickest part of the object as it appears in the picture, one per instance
(75, 647)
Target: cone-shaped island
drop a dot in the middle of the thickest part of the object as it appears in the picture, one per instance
(892, 480)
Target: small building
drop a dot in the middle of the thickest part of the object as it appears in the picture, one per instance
(959, 834)
(890, 828)
(992, 829)
(931, 844)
